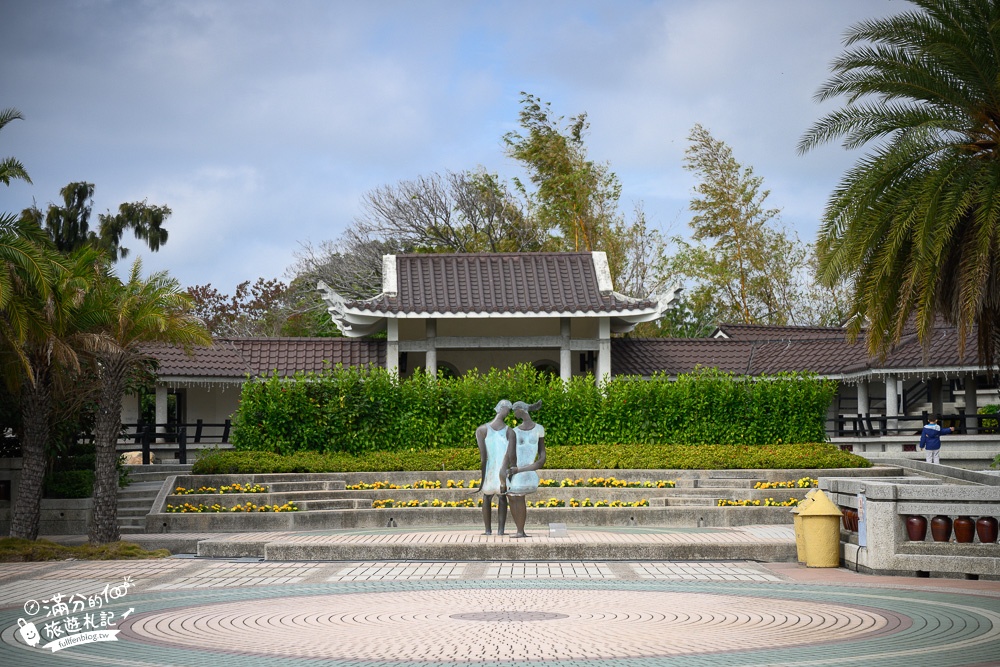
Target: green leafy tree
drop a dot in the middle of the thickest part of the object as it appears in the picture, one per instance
(134, 312)
(741, 265)
(69, 225)
(578, 198)
(914, 225)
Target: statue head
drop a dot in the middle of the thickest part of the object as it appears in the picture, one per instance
(524, 407)
(503, 405)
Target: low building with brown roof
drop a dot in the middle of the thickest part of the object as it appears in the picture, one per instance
(456, 313)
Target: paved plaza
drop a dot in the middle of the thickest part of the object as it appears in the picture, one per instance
(252, 613)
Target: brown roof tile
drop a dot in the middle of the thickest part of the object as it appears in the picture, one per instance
(286, 356)
(238, 357)
(759, 332)
(824, 354)
(498, 283)
(218, 360)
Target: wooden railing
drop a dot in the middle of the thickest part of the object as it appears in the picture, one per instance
(145, 435)
(874, 425)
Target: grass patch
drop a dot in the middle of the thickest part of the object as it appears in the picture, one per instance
(17, 550)
(585, 457)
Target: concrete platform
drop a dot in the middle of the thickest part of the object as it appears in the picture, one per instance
(198, 612)
(760, 543)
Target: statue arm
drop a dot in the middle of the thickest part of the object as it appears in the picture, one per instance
(509, 459)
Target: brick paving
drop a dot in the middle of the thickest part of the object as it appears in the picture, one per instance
(201, 612)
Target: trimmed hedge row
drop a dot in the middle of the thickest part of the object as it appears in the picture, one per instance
(581, 457)
(357, 410)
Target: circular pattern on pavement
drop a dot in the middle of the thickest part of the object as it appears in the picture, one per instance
(433, 625)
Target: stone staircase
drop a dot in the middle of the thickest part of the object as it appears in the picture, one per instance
(136, 499)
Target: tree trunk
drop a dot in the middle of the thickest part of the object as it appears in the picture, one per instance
(107, 425)
(36, 407)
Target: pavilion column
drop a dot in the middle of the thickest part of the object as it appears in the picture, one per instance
(392, 346)
(431, 363)
(891, 403)
(565, 357)
(604, 349)
(161, 410)
(863, 402)
(971, 404)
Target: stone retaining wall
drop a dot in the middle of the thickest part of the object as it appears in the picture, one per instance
(888, 503)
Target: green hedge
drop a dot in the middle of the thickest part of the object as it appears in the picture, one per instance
(586, 457)
(357, 410)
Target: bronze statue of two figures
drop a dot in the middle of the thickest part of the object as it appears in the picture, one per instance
(509, 458)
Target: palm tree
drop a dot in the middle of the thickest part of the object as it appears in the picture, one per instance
(135, 312)
(10, 168)
(915, 223)
(54, 329)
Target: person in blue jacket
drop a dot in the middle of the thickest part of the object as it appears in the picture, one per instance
(930, 440)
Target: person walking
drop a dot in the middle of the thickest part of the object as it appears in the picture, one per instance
(930, 439)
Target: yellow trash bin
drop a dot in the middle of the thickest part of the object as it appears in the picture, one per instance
(800, 545)
(821, 532)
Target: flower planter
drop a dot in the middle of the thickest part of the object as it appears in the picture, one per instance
(941, 528)
(986, 528)
(965, 529)
(916, 528)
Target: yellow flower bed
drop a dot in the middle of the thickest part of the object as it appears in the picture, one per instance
(608, 482)
(469, 502)
(804, 483)
(767, 502)
(231, 488)
(188, 508)
(419, 484)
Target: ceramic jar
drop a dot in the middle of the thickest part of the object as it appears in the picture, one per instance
(941, 528)
(965, 529)
(986, 528)
(916, 527)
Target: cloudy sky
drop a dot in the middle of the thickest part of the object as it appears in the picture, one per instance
(262, 123)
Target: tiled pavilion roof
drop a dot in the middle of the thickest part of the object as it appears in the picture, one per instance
(539, 282)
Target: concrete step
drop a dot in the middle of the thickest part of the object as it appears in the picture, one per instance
(502, 549)
(681, 501)
(341, 504)
(727, 483)
(328, 485)
(151, 476)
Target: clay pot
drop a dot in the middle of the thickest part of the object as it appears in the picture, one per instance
(986, 528)
(941, 528)
(965, 529)
(854, 520)
(916, 527)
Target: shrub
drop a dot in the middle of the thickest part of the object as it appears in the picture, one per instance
(362, 410)
(69, 484)
(585, 457)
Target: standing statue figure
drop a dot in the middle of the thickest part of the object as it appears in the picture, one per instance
(494, 440)
(524, 457)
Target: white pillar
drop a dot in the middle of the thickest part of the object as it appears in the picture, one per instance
(971, 404)
(392, 346)
(161, 409)
(431, 363)
(891, 403)
(130, 409)
(604, 349)
(565, 356)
